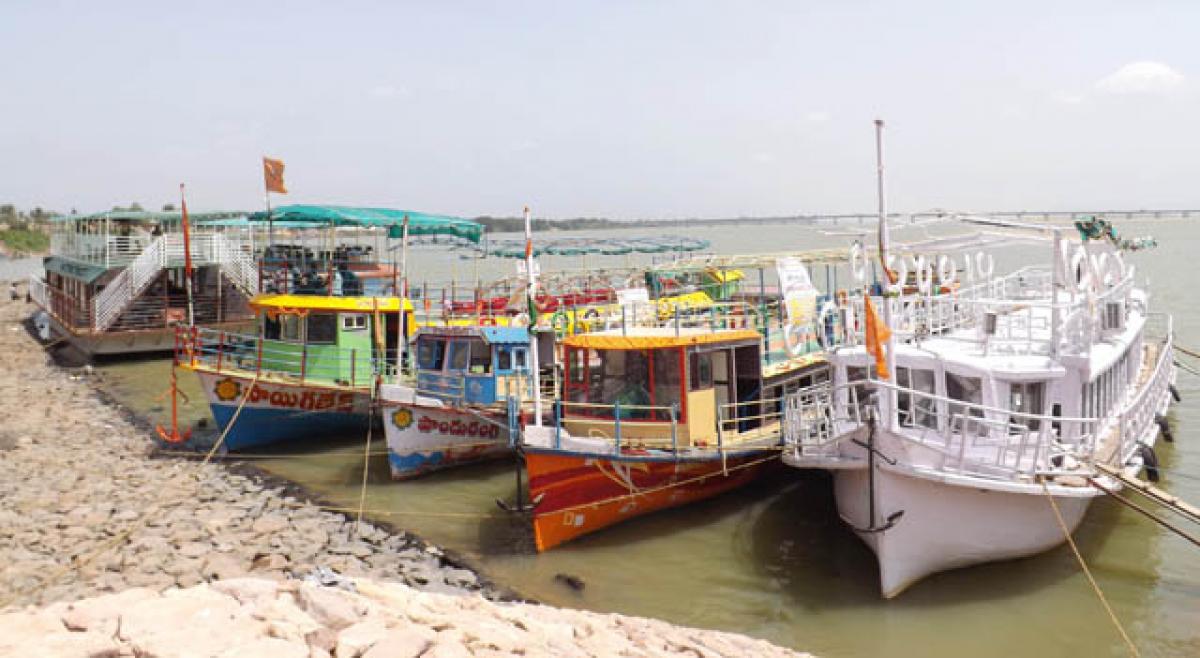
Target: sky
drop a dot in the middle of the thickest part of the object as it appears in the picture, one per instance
(602, 109)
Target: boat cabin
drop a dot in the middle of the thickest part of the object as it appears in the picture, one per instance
(661, 384)
(473, 364)
(339, 340)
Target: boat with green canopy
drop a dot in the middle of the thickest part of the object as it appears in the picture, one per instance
(324, 339)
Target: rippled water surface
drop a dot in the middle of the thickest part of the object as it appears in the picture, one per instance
(773, 560)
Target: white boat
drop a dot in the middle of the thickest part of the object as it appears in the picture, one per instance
(1005, 393)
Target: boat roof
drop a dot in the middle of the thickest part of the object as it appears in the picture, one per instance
(280, 303)
(494, 335)
(84, 272)
(645, 338)
(150, 217)
(418, 223)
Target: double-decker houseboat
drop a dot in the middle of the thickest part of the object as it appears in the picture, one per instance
(114, 282)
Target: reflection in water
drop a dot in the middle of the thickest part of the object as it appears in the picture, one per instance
(774, 560)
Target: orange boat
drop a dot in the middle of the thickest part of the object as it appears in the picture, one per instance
(650, 418)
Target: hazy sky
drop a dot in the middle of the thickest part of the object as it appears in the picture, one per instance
(619, 109)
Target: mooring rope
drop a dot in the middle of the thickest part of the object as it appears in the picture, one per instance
(232, 419)
(362, 494)
(1087, 572)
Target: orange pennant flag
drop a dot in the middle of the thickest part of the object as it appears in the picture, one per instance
(877, 334)
(273, 175)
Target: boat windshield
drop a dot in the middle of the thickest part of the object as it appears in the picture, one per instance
(634, 384)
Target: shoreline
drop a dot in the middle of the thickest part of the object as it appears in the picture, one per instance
(94, 509)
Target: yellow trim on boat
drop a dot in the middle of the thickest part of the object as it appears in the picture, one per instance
(645, 341)
(283, 303)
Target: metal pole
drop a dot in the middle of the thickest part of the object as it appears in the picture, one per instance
(884, 243)
(531, 292)
(401, 334)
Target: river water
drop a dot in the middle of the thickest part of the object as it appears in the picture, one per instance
(773, 560)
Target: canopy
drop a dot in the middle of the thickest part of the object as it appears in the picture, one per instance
(293, 303)
(605, 246)
(73, 269)
(653, 338)
(418, 223)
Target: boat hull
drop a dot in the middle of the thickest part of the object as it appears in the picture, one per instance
(946, 526)
(275, 411)
(579, 494)
(424, 438)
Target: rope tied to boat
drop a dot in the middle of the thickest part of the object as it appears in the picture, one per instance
(1133, 650)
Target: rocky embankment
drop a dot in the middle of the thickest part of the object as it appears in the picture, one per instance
(251, 617)
(177, 557)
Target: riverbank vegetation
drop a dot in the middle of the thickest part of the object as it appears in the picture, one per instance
(24, 232)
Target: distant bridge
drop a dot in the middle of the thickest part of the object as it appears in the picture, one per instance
(853, 219)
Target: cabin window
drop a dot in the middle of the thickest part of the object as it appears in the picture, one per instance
(270, 328)
(969, 391)
(518, 358)
(289, 327)
(856, 377)
(481, 358)
(322, 329)
(917, 410)
(430, 354)
(668, 381)
(701, 371)
(1026, 398)
(354, 321)
(460, 354)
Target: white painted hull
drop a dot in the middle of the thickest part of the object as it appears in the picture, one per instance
(424, 438)
(947, 526)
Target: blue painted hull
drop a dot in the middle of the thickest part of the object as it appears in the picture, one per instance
(257, 427)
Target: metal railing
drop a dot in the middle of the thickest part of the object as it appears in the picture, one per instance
(1014, 313)
(966, 438)
(222, 351)
(598, 418)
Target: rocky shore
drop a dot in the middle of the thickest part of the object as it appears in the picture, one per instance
(177, 557)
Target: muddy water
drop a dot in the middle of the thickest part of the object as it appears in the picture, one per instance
(773, 560)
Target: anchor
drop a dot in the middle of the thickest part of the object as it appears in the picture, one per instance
(893, 518)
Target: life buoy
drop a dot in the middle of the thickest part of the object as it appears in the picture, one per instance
(858, 262)
(793, 339)
(984, 265)
(924, 275)
(947, 273)
(901, 273)
(560, 323)
(1079, 270)
(487, 321)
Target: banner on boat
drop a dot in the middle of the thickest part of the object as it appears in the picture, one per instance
(799, 304)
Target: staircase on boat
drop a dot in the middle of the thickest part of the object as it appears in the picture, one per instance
(235, 264)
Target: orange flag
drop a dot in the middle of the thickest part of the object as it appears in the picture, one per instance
(273, 175)
(876, 335)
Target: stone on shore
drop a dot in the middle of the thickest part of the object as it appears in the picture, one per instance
(249, 617)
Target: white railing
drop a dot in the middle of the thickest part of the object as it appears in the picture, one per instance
(126, 286)
(1022, 306)
(960, 437)
(1134, 421)
(237, 263)
(38, 291)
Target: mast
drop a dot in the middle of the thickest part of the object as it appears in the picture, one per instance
(401, 334)
(884, 244)
(187, 258)
(531, 293)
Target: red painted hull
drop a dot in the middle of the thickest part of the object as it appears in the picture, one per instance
(578, 494)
